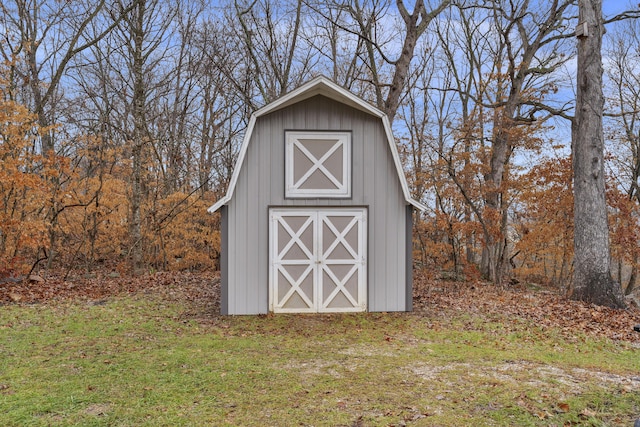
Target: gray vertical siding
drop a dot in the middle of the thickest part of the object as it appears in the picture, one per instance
(261, 184)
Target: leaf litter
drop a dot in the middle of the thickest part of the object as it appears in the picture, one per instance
(544, 308)
(200, 291)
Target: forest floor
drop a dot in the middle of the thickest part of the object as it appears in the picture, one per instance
(201, 292)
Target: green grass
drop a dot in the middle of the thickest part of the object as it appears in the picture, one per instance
(141, 362)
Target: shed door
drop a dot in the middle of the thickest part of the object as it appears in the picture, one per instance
(317, 260)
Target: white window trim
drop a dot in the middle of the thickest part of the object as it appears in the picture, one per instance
(291, 187)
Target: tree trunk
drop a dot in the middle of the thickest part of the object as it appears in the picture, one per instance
(415, 24)
(592, 281)
(634, 276)
(392, 102)
(139, 136)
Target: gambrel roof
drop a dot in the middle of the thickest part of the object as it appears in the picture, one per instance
(325, 87)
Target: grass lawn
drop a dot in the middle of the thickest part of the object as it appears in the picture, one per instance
(139, 360)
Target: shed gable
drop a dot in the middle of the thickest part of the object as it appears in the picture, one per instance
(325, 88)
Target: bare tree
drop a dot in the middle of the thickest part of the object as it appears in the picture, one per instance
(368, 21)
(592, 281)
(222, 113)
(470, 63)
(136, 74)
(269, 37)
(416, 23)
(624, 101)
(48, 35)
(530, 51)
(337, 50)
(501, 59)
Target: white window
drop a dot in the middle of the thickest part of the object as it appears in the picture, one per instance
(318, 164)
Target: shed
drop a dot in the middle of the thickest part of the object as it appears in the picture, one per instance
(317, 216)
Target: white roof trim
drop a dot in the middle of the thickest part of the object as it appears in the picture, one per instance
(396, 159)
(318, 86)
(238, 166)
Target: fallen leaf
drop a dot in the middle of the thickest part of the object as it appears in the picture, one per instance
(542, 415)
(35, 278)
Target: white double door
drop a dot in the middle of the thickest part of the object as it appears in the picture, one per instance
(317, 260)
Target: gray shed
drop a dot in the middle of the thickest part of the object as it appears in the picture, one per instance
(317, 216)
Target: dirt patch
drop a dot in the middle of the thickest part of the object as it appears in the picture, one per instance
(98, 409)
(535, 375)
(366, 350)
(312, 368)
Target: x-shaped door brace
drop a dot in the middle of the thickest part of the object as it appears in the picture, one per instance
(340, 238)
(295, 285)
(340, 286)
(295, 239)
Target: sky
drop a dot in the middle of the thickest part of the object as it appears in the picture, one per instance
(613, 7)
